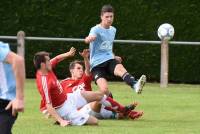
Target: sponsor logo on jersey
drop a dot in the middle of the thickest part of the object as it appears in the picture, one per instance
(80, 87)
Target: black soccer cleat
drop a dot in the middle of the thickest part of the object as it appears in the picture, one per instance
(131, 106)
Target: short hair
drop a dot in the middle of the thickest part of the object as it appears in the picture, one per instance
(39, 58)
(107, 8)
(73, 63)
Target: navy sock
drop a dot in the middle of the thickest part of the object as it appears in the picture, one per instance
(129, 79)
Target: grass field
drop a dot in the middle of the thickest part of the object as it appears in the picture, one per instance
(174, 110)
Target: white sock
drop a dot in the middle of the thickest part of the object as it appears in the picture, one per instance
(105, 102)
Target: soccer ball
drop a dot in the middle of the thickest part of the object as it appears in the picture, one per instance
(166, 31)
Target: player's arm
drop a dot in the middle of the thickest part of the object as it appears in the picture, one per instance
(55, 115)
(18, 68)
(63, 56)
(85, 55)
(118, 58)
(90, 38)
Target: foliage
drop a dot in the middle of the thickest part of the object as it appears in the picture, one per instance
(135, 19)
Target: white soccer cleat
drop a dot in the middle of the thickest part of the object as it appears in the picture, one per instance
(140, 84)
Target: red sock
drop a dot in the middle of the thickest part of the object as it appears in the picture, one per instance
(115, 105)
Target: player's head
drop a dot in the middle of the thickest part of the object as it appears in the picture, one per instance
(76, 69)
(107, 8)
(107, 15)
(41, 60)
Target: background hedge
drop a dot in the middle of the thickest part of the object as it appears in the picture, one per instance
(134, 19)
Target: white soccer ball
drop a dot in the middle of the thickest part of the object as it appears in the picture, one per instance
(166, 31)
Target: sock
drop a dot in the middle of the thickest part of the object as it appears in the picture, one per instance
(129, 79)
(114, 115)
(104, 101)
(95, 114)
(109, 109)
(109, 102)
(106, 114)
(110, 95)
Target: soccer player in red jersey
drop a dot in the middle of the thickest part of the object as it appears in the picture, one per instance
(62, 107)
(81, 79)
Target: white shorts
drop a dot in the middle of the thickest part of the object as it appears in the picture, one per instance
(104, 114)
(78, 100)
(68, 110)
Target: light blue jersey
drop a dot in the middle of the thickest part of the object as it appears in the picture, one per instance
(7, 79)
(101, 49)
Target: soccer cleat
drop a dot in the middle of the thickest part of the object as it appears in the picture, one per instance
(135, 115)
(140, 84)
(131, 106)
(56, 123)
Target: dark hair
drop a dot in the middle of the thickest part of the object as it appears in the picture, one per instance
(107, 8)
(73, 63)
(39, 58)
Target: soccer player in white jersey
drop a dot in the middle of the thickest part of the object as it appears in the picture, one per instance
(102, 59)
(12, 77)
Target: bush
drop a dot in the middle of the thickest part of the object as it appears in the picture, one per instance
(136, 19)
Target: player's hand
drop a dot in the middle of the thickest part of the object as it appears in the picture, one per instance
(89, 39)
(119, 59)
(64, 123)
(85, 53)
(17, 105)
(71, 52)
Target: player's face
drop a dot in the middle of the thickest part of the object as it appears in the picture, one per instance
(107, 19)
(77, 71)
(48, 64)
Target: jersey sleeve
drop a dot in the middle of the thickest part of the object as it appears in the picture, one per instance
(4, 50)
(114, 29)
(46, 89)
(54, 62)
(93, 31)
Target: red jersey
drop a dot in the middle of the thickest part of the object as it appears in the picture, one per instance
(50, 89)
(69, 85)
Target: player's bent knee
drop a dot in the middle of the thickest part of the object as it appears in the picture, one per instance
(104, 91)
(99, 96)
(92, 121)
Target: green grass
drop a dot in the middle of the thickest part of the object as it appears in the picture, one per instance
(172, 110)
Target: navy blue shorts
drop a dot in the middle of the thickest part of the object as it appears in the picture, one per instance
(6, 118)
(104, 69)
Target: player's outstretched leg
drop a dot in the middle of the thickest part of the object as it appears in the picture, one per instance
(131, 106)
(135, 114)
(136, 85)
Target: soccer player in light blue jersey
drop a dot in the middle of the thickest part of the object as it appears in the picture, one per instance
(12, 77)
(102, 59)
